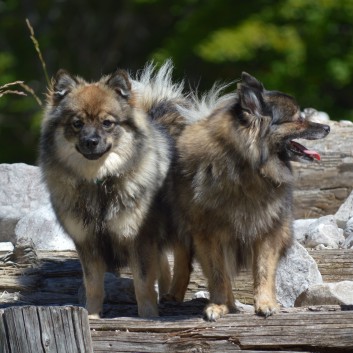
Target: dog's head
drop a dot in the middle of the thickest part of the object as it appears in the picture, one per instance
(273, 121)
(91, 113)
(92, 125)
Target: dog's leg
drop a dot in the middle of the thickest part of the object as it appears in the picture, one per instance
(181, 273)
(94, 268)
(164, 277)
(211, 256)
(144, 268)
(267, 253)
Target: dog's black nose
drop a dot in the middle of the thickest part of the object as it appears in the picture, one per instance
(326, 128)
(91, 142)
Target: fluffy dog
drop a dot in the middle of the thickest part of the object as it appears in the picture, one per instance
(232, 190)
(105, 158)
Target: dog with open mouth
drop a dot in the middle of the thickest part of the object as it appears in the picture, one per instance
(232, 190)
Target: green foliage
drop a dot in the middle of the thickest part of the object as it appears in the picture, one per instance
(6, 64)
(303, 47)
(246, 40)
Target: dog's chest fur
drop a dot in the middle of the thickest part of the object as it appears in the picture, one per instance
(101, 201)
(114, 206)
(234, 199)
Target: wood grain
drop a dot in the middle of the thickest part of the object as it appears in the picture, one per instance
(31, 329)
(180, 327)
(328, 329)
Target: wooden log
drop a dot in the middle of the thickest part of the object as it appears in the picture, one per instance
(32, 329)
(325, 329)
(322, 187)
(335, 265)
(180, 327)
(56, 281)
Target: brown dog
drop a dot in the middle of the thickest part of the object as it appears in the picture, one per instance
(105, 159)
(232, 191)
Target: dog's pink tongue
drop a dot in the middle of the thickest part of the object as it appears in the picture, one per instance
(313, 154)
(304, 150)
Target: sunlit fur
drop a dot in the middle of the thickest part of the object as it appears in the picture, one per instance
(157, 93)
(232, 190)
(105, 158)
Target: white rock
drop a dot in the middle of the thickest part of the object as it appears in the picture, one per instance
(316, 116)
(300, 227)
(244, 308)
(348, 234)
(25, 209)
(324, 234)
(6, 247)
(42, 227)
(296, 272)
(340, 293)
(202, 294)
(346, 123)
(345, 212)
(21, 191)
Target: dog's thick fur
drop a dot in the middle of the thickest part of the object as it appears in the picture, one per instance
(104, 158)
(232, 191)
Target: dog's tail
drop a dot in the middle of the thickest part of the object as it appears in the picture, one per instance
(203, 105)
(168, 103)
(160, 97)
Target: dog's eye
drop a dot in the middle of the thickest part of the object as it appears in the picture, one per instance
(107, 124)
(77, 124)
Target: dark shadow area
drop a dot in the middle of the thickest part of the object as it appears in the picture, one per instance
(55, 281)
(48, 282)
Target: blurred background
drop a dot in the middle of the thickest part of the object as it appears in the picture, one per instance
(302, 47)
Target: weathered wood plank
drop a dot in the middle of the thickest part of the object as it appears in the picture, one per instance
(127, 342)
(124, 342)
(31, 329)
(23, 283)
(181, 327)
(4, 347)
(292, 330)
(58, 276)
(162, 343)
(334, 265)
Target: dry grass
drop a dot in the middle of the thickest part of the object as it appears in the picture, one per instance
(8, 89)
(12, 88)
(36, 46)
(19, 87)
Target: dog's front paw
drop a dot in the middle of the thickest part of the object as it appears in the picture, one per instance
(214, 311)
(95, 309)
(94, 316)
(266, 308)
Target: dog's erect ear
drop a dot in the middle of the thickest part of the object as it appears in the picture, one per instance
(251, 81)
(120, 83)
(63, 83)
(250, 94)
(251, 100)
